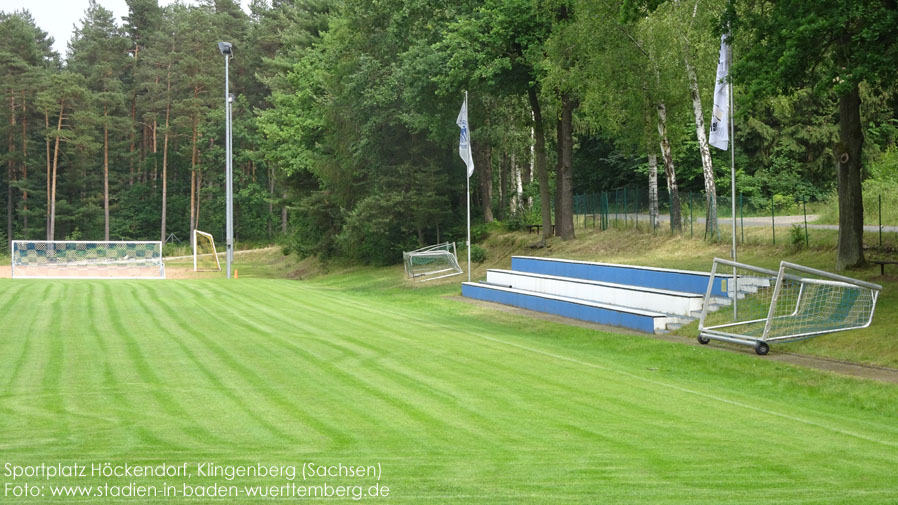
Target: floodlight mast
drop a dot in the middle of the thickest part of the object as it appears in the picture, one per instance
(226, 50)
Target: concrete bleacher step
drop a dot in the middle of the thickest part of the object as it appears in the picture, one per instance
(649, 277)
(576, 308)
(652, 299)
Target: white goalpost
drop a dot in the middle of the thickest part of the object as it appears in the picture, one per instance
(755, 306)
(432, 262)
(205, 256)
(84, 259)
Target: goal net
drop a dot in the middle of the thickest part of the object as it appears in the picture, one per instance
(205, 257)
(62, 259)
(432, 262)
(794, 303)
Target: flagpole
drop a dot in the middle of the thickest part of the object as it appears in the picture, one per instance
(468, 194)
(733, 174)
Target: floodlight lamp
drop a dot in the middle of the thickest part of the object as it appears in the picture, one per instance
(225, 48)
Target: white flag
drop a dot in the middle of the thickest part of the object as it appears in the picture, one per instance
(464, 138)
(720, 134)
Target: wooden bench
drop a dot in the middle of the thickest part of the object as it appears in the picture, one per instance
(537, 228)
(882, 265)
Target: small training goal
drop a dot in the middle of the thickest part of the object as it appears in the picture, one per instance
(432, 262)
(754, 306)
(82, 259)
(205, 257)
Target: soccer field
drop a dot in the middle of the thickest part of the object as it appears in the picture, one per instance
(438, 400)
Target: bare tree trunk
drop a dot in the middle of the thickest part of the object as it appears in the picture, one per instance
(518, 184)
(707, 168)
(133, 138)
(144, 149)
(133, 118)
(25, 161)
(270, 200)
(193, 162)
(653, 189)
(565, 214)
(47, 143)
(676, 222)
(528, 168)
(199, 192)
(165, 161)
(51, 233)
(105, 174)
(539, 157)
(559, 182)
(11, 170)
(485, 173)
(284, 214)
(503, 182)
(155, 151)
(851, 198)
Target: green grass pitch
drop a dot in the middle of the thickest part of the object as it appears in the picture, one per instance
(454, 402)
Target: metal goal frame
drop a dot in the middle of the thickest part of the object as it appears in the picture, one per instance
(443, 250)
(776, 314)
(196, 252)
(87, 259)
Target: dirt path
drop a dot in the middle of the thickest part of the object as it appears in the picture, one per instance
(869, 372)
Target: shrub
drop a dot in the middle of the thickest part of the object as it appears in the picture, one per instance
(796, 236)
(478, 254)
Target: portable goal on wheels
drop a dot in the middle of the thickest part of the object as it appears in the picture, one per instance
(432, 262)
(761, 306)
(205, 256)
(66, 259)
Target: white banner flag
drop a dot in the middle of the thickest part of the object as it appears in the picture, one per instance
(464, 138)
(720, 135)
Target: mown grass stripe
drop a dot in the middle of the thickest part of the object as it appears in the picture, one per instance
(144, 367)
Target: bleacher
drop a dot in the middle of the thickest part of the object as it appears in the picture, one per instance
(648, 299)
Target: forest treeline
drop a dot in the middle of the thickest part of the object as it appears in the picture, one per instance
(345, 140)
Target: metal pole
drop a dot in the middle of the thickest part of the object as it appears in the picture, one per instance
(690, 215)
(804, 206)
(880, 220)
(468, 189)
(732, 184)
(468, 193)
(732, 166)
(229, 184)
(773, 219)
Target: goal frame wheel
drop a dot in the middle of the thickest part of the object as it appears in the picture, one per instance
(761, 348)
(703, 340)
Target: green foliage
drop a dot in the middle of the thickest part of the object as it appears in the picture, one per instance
(796, 236)
(517, 220)
(316, 222)
(371, 233)
(478, 254)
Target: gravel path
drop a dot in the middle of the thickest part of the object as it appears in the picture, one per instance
(759, 221)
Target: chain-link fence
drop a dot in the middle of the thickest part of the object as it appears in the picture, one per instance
(774, 219)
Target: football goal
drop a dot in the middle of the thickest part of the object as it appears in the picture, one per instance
(755, 306)
(63, 259)
(432, 262)
(205, 257)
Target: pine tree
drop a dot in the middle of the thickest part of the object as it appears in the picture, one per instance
(99, 52)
